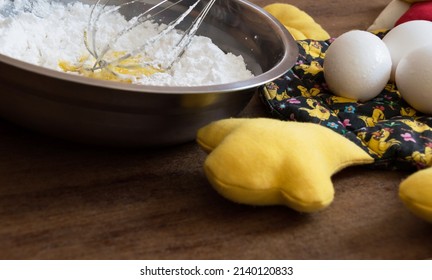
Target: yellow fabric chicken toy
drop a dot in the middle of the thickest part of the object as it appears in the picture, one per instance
(289, 159)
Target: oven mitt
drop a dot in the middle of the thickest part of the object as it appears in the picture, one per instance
(269, 162)
(387, 128)
(416, 193)
(299, 24)
(313, 134)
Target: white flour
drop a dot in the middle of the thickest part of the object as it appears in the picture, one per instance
(44, 33)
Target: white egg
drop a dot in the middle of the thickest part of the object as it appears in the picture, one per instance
(414, 78)
(405, 38)
(357, 65)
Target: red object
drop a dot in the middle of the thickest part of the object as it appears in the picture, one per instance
(418, 11)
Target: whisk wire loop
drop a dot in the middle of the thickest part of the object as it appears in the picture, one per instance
(103, 7)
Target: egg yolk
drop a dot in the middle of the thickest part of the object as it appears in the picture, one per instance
(125, 71)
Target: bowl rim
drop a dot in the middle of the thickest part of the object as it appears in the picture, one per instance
(287, 61)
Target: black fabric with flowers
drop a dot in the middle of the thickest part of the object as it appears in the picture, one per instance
(386, 127)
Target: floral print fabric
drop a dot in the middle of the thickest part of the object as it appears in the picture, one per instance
(386, 127)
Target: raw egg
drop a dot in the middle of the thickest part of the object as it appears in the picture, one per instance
(405, 38)
(357, 65)
(414, 78)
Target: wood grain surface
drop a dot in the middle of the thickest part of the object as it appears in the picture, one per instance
(61, 200)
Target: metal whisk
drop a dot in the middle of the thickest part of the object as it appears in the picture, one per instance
(153, 13)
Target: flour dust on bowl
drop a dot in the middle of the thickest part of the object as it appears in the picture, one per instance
(53, 91)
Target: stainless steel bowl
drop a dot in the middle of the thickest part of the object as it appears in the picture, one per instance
(111, 113)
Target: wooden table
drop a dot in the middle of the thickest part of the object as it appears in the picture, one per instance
(61, 200)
